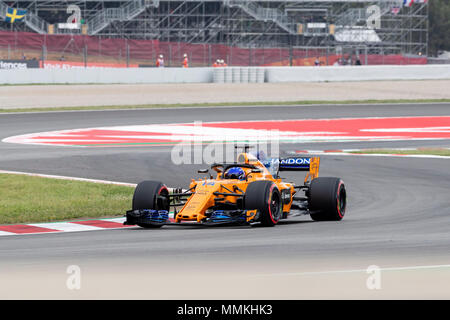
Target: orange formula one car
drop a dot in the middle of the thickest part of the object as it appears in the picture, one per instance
(245, 192)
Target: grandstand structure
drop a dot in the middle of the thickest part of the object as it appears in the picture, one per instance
(380, 27)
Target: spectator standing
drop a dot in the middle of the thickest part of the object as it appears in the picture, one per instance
(160, 61)
(317, 62)
(185, 61)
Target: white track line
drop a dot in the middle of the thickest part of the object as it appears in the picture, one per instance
(30, 174)
(5, 233)
(408, 268)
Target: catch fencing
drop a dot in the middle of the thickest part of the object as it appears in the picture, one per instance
(57, 51)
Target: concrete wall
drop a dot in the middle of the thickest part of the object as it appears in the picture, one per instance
(205, 75)
(107, 75)
(357, 73)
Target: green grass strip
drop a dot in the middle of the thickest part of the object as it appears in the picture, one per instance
(26, 199)
(227, 104)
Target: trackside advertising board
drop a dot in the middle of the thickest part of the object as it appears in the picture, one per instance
(18, 64)
(52, 64)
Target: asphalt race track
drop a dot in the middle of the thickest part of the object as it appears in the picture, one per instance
(398, 218)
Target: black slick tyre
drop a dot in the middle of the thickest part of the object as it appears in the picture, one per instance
(151, 195)
(327, 199)
(265, 197)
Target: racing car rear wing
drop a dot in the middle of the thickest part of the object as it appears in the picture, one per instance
(310, 164)
(294, 164)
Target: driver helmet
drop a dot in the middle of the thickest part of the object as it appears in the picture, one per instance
(235, 173)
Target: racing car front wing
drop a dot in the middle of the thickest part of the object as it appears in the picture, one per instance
(161, 217)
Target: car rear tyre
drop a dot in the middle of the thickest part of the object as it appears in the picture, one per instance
(151, 195)
(327, 199)
(265, 197)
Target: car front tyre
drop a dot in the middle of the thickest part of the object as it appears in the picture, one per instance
(265, 197)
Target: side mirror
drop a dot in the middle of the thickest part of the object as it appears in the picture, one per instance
(256, 170)
(205, 171)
